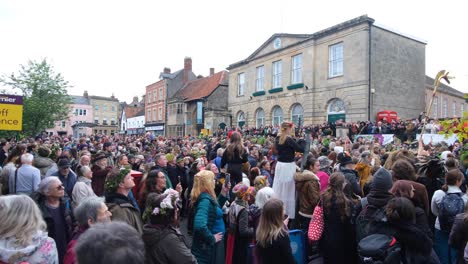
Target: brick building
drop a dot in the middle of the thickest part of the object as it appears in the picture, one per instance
(200, 104)
(157, 93)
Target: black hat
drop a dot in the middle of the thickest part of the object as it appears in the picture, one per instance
(63, 163)
(344, 159)
(99, 156)
(107, 144)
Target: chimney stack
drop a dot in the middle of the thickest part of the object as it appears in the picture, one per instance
(187, 68)
(85, 94)
(211, 71)
(167, 70)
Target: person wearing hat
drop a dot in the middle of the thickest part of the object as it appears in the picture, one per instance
(66, 175)
(100, 169)
(373, 206)
(239, 229)
(346, 166)
(119, 183)
(43, 162)
(108, 148)
(324, 172)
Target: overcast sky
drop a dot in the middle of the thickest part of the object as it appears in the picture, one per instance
(120, 47)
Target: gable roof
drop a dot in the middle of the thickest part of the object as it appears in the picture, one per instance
(278, 35)
(171, 76)
(203, 87)
(303, 38)
(443, 88)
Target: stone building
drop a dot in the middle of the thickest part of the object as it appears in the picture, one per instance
(105, 115)
(157, 93)
(448, 102)
(200, 104)
(350, 71)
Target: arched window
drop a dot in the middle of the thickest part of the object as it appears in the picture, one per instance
(297, 113)
(336, 110)
(277, 116)
(259, 117)
(241, 119)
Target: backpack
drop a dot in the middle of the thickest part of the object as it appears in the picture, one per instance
(375, 223)
(379, 248)
(451, 205)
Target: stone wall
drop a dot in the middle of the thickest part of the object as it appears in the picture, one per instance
(397, 74)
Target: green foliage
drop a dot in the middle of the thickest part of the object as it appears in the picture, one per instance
(456, 126)
(45, 97)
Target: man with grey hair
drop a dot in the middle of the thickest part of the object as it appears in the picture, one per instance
(91, 211)
(161, 164)
(26, 178)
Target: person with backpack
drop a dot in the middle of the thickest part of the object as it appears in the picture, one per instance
(445, 205)
(459, 235)
(372, 218)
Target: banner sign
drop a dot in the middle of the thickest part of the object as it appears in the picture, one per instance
(11, 112)
(385, 139)
(436, 138)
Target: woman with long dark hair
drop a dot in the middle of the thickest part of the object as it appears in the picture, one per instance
(234, 156)
(338, 233)
(284, 185)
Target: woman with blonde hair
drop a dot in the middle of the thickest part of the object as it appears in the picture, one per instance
(208, 224)
(284, 185)
(272, 236)
(23, 236)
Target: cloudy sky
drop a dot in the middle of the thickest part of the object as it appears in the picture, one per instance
(120, 47)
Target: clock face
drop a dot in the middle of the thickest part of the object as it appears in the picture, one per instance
(277, 43)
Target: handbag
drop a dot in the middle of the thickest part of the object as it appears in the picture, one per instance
(316, 224)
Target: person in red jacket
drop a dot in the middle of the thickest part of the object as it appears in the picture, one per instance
(91, 211)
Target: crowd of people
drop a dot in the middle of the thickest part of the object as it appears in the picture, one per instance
(234, 197)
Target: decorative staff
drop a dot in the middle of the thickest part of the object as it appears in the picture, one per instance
(440, 75)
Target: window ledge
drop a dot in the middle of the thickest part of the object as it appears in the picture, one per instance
(259, 93)
(295, 86)
(276, 90)
(333, 77)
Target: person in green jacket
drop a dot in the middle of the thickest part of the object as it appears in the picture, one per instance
(208, 226)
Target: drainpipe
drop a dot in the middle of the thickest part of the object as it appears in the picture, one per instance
(369, 77)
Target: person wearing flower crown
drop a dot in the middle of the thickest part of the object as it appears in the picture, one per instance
(240, 234)
(119, 183)
(163, 240)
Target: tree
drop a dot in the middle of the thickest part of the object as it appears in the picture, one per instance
(45, 96)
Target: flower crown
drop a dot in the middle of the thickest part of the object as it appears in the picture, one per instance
(167, 203)
(113, 182)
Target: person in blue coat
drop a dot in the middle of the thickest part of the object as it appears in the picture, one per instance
(208, 225)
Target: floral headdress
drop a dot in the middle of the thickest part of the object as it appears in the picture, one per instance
(171, 198)
(113, 181)
(167, 203)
